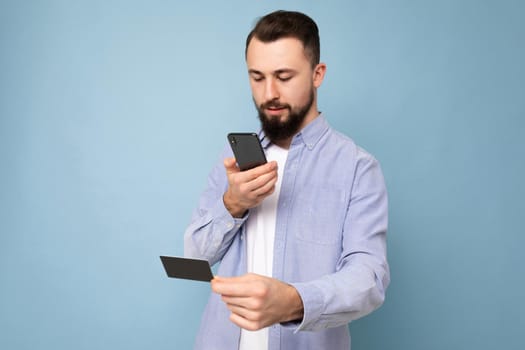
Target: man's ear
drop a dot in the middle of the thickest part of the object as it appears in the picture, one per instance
(318, 75)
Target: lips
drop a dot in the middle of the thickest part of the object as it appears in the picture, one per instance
(275, 107)
(273, 111)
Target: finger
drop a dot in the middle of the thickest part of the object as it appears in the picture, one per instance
(241, 286)
(265, 190)
(261, 170)
(244, 313)
(261, 181)
(247, 277)
(251, 325)
(229, 288)
(253, 178)
(231, 165)
(246, 303)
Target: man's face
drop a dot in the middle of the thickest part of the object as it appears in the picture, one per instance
(283, 86)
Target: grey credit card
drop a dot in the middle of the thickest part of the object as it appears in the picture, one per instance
(190, 269)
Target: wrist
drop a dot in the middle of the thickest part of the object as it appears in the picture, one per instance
(233, 208)
(296, 307)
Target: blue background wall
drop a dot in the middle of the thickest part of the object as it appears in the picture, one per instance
(112, 113)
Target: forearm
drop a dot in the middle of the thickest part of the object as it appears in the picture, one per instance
(344, 296)
(212, 227)
(210, 233)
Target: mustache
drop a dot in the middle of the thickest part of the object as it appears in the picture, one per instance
(274, 104)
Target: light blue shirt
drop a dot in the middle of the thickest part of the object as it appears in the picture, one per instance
(330, 241)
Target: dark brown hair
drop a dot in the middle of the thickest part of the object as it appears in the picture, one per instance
(288, 24)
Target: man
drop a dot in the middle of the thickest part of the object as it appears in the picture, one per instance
(301, 240)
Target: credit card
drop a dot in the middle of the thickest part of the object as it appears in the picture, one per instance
(186, 268)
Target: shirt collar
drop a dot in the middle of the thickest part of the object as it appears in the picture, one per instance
(309, 135)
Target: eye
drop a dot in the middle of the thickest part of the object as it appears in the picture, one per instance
(256, 77)
(284, 78)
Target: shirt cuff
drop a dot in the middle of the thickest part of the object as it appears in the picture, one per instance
(221, 225)
(225, 218)
(313, 306)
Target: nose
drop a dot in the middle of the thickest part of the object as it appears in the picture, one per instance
(271, 92)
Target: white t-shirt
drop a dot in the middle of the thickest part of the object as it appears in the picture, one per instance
(260, 234)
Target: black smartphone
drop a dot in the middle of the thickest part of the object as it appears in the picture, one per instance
(247, 149)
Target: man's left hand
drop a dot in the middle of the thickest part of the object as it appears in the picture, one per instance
(257, 301)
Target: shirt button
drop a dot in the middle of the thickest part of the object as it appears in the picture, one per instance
(229, 225)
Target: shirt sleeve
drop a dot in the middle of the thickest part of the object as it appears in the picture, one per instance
(362, 274)
(212, 227)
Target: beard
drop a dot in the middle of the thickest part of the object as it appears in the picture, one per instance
(275, 128)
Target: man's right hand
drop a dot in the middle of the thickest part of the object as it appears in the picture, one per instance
(248, 188)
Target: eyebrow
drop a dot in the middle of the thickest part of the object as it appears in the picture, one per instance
(277, 72)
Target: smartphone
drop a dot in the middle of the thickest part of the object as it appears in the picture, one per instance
(247, 149)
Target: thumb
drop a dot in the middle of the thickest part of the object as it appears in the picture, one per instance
(231, 165)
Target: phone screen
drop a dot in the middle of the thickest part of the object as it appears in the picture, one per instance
(247, 150)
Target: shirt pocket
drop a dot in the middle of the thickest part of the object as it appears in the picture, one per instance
(319, 214)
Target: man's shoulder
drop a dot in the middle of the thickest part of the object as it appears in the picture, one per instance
(340, 138)
(344, 143)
